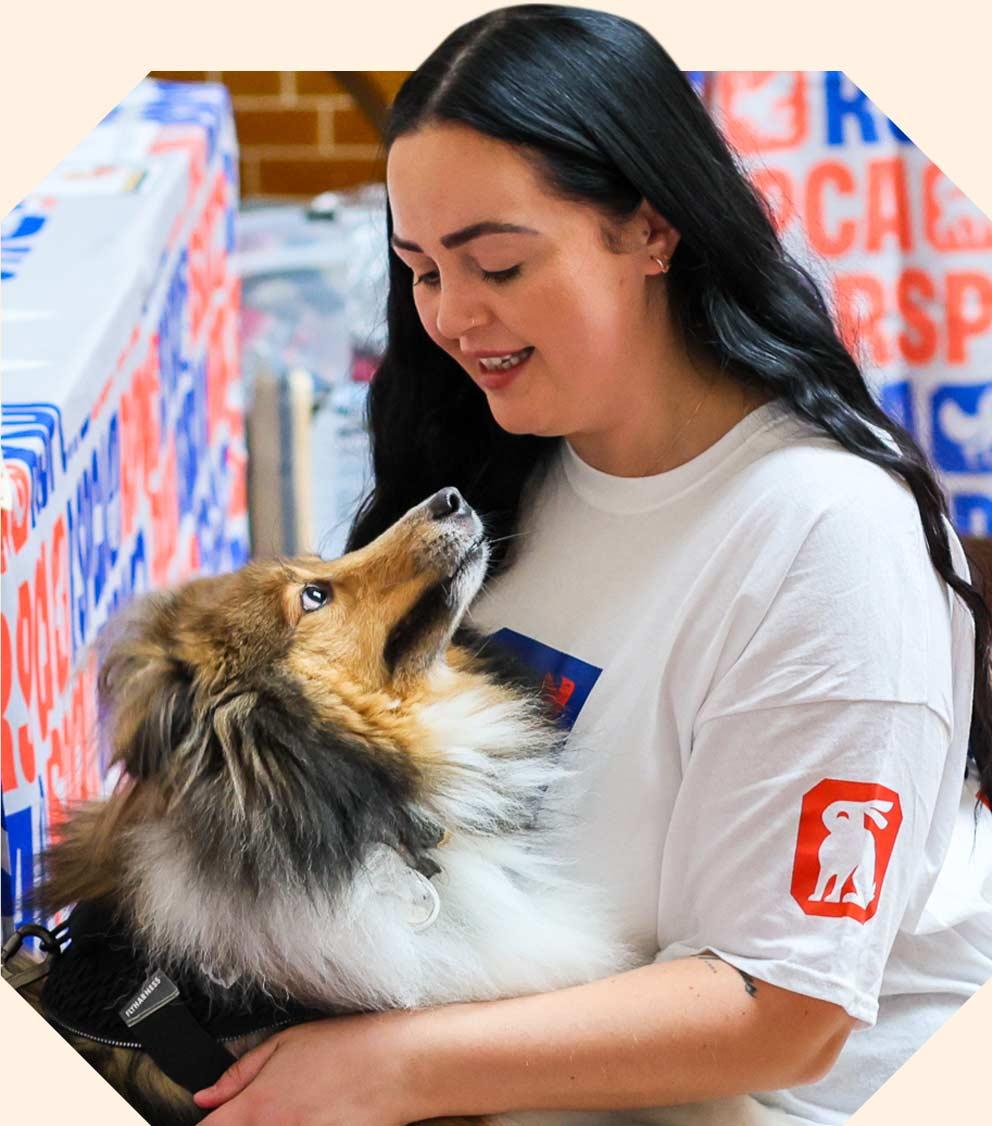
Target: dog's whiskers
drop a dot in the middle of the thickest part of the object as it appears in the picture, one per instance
(507, 537)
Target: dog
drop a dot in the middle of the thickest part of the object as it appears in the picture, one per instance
(329, 800)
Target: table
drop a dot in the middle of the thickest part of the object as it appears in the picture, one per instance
(122, 426)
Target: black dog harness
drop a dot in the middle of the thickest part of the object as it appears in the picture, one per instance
(102, 987)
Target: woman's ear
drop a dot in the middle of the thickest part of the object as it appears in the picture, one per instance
(656, 235)
(146, 692)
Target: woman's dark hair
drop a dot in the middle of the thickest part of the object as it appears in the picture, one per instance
(610, 120)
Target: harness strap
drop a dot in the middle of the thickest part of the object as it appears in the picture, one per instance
(92, 990)
(171, 1035)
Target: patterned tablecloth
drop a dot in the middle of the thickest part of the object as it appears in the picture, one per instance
(123, 432)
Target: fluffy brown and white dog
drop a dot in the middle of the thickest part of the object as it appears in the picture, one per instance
(326, 797)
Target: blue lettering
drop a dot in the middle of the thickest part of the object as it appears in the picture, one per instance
(81, 559)
(41, 425)
(896, 400)
(972, 514)
(845, 101)
(20, 838)
(18, 231)
(133, 578)
(191, 436)
(105, 469)
(171, 333)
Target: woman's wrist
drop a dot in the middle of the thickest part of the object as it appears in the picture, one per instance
(424, 1037)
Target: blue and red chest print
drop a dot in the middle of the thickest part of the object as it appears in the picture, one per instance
(566, 680)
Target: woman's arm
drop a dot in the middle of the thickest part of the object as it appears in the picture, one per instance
(667, 1033)
(674, 1032)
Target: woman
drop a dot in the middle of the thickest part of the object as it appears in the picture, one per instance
(735, 568)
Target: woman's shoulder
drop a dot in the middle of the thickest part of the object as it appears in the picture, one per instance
(801, 471)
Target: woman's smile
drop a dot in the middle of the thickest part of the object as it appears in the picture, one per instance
(497, 370)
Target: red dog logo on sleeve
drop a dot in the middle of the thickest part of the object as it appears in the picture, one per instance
(846, 834)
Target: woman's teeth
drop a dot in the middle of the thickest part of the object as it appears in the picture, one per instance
(502, 363)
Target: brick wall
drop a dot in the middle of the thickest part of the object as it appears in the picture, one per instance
(299, 132)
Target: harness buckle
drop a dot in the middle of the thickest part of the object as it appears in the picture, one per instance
(50, 942)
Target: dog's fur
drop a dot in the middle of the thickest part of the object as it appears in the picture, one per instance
(293, 772)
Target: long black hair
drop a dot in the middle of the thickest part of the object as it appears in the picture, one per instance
(610, 120)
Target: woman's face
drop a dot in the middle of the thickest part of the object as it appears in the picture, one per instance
(519, 285)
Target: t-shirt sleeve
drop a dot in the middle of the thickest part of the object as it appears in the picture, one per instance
(826, 766)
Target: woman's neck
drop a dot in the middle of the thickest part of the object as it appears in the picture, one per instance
(665, 427)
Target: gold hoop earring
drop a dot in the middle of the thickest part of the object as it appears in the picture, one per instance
(664, 263)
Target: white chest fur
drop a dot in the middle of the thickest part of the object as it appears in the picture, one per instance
(504, 916)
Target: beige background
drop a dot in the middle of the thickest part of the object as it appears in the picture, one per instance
(65, 65)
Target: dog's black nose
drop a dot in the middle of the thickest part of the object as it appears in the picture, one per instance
(445, 503)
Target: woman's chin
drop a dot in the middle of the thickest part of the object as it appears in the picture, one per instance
(515, 418)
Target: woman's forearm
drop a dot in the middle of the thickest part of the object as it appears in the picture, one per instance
(667, 1033)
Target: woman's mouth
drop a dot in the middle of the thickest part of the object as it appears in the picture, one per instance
(496, 372)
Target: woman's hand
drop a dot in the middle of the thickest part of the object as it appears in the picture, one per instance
(344, 1071)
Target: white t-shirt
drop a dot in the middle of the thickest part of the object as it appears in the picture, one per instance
(770, 691)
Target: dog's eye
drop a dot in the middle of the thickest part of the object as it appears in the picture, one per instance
(312, 597)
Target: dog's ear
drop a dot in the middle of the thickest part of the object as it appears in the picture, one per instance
(146, 692)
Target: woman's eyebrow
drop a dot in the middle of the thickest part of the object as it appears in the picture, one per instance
(466, 234)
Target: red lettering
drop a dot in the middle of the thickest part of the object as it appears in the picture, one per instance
(140, 433)
(8, 777)
(559, 694)
(206, 257)
(25, 641)
(197, 281)
(951, 221)
(860, 302)
(195, 145)
(915, 293)
(193, 566)
(776, 186)
(969, 312)
(14, 522)
(838, 177)
(73, 768)
(165, 517)
(151, 393)
(216, 236)
(763, 110)
(130, 462)
(61, 611)
(43, 645)
(216, 378)
(888, 204)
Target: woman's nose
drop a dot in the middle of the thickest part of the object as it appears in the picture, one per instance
(457, 312)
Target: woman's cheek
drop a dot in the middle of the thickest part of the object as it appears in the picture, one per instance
(448, 346)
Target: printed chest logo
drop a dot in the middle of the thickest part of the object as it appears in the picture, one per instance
(846, 834)
(567, 679)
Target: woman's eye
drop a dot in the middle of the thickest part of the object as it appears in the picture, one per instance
(312, 597)
(501, 275)
(429, 279)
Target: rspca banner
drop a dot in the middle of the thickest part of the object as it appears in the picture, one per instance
(122, 427)
(905, 256)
